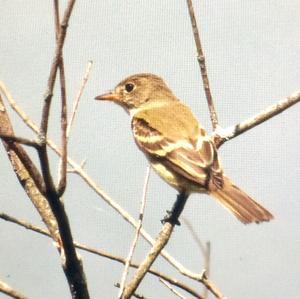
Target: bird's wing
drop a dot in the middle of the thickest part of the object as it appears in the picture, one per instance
(190, 157)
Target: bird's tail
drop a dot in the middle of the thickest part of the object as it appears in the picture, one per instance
(240, 204)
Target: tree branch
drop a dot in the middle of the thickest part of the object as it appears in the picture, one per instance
(7, 290)
(27, 174)
(20, 140)
(203, 69)
(223, 135)
(62, 168)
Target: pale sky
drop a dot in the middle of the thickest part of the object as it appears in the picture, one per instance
(253, 55)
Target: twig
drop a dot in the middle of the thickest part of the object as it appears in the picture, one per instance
(7, 290)
(54, 66)
(78, 96)
(160, 243)
(36, 229)
(205, 249)
(21, 140)
(194, 235)
(228, 133)
(203, 69)
(172, 289)
(90, 182)
(137, 232)
(62, 165)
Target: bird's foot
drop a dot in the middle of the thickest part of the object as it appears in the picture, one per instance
(170, 218)
(173, 215)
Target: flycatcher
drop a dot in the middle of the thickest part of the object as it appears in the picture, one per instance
(177, 146)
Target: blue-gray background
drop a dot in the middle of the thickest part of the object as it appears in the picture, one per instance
(253, 56)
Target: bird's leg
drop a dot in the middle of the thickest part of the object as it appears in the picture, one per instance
(173, 215)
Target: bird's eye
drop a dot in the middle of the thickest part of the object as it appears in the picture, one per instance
(129, 87)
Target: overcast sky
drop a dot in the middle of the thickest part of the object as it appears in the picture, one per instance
(253, 55)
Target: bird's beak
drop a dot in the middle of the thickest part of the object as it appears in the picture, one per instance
(110, 96)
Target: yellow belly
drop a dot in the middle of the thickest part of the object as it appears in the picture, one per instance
(176, 180)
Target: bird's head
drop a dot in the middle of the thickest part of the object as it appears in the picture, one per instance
(137, 90)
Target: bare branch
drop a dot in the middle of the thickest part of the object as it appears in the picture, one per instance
(223, 135)
(78, 96)
(203, 69)
(28, 175)
(136, 236)
(7, 290)
(21, 140)
(62, 166)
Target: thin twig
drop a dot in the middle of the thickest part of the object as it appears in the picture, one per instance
(9, 291)
(207, 265)
(137, 232)
(62, 165)
(98, 252)
(21, 140)
(204, 248)
(203, 69)
(223, 135)
(194, 235)
(78, 96)
(172, 289)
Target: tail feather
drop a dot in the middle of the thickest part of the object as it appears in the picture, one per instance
(240, 204)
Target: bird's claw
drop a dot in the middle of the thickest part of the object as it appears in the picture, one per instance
(169, 218)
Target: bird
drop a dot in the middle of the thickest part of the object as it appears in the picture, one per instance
(177, 146)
